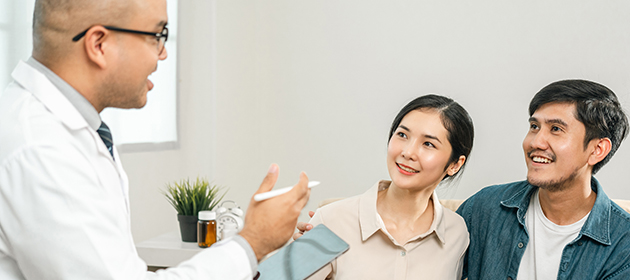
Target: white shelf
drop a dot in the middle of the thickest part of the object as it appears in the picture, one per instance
(166, 250)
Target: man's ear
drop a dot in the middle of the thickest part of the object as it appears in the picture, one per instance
(601, 149)
(96, 45)
(454, 167)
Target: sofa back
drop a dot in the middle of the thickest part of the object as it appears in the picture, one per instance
(453, 204)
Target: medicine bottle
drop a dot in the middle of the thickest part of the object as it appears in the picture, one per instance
(206, 229)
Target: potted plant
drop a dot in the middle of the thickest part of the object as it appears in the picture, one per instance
(188, 198)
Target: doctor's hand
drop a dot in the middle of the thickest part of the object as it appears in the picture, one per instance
(303, 227)
(269, 223)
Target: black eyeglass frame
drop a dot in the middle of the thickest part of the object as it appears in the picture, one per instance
(158, 36)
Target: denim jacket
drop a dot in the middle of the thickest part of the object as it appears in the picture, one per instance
(495, 217)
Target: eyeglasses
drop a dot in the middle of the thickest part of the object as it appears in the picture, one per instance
(161, 37)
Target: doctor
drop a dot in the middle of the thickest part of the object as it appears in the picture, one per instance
(64, 207)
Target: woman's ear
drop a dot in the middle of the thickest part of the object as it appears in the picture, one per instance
(454, 167)
(96, 45)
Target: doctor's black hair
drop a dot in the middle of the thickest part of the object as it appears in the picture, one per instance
(596, 106)
(455, 119)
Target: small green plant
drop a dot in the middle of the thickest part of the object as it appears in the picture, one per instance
(188, 198)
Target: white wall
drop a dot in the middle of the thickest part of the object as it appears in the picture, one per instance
(314, 86)
(149, 172)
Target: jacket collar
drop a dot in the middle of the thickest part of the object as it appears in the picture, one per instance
(46, 92)
(77, 100)
(369, 219)
(520, 200)
(597, 225)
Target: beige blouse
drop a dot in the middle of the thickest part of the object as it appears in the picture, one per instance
(375, 254)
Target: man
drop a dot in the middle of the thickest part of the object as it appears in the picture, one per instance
(559, 223)
(64, 210)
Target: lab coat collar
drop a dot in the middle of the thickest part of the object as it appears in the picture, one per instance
(44, 90)
(56, 102)
(77, 100)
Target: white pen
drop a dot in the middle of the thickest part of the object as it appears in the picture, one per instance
(274, 193)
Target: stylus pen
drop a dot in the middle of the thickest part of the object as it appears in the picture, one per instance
(274, 193)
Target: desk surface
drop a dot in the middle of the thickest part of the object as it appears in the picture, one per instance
(166, 250)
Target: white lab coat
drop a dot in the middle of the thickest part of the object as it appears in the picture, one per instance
(64, 203)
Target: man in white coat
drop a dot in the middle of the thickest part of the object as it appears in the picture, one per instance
(64, 208)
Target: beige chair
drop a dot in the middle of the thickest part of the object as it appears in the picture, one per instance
(454, 203)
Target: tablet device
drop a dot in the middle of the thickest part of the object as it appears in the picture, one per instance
(305, 256)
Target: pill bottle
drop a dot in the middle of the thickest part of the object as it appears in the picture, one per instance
(206, 229)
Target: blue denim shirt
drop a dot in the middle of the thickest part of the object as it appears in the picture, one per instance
(495, 217)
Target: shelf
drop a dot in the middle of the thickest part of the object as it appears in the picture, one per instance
(166, 250)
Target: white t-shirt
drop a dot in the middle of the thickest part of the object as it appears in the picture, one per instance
(541, 259)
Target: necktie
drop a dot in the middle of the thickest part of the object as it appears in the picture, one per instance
(106, 136)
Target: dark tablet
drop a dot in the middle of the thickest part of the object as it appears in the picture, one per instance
(305, 256)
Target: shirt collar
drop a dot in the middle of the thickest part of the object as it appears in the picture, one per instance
(597, 225)
(368, 215)
(520, 200)
(75, 98)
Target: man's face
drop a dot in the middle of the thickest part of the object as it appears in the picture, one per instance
(127, 84)
(554, 148)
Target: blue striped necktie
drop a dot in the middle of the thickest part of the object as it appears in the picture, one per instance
(106, 136)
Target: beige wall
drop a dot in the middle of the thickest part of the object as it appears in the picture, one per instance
(314, 86)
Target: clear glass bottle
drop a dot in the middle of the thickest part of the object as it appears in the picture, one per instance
(207, 229)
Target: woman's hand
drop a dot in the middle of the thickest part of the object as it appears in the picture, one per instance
(303, 227)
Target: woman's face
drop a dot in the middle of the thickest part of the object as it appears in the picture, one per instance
(418, 151)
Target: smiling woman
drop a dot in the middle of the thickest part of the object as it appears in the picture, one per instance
(429, 141)
(153, 127)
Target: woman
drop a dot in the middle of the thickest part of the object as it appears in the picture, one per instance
(398, 229)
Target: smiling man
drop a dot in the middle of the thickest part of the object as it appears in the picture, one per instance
(64, 204)
(559, 223)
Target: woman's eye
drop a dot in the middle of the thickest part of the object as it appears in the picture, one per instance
(402, 134)
(429, 144)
